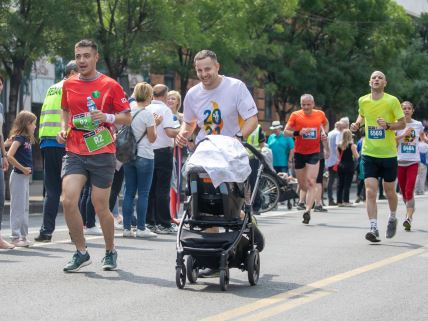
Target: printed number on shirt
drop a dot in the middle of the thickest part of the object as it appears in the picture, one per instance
(213, 123)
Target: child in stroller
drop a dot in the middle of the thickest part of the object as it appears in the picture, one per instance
(224, 205)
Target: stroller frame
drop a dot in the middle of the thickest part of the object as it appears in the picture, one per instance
(240, 252)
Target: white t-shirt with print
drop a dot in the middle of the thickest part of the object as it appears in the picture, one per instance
(408, 149)
(220, 110)
(139, 125)
(168, 121)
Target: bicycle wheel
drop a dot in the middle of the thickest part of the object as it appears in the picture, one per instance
(268, 192)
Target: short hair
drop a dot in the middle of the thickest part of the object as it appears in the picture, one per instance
(142, 92)
(2, 79)
(160, 90)
(86, 43)
(205, 54)
(307, 96)
(177, 95)
(71, 66)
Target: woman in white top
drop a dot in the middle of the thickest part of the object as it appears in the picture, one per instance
(139, 173)
(408, 159)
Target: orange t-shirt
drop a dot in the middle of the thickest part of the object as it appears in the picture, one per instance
(108, 96)
(308, 143)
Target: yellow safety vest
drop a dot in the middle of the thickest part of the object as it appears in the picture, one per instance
(50, 116)
(253, 140)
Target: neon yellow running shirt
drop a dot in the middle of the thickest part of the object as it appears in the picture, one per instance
(379, 143)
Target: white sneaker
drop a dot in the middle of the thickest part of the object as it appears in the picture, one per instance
(117, 225)
(93, 231)
(146, 234)
(128, 233)
(21, 242)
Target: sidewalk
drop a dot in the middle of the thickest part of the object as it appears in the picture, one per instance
(36, 199)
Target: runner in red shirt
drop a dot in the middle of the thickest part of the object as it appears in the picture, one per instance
(90, 148)
(308, 126)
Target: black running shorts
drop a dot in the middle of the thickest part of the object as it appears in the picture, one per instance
(300, 160)
(380, 167)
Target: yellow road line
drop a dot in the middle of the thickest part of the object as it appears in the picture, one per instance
(317, 285)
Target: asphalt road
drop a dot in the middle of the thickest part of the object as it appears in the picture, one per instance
(323, 271)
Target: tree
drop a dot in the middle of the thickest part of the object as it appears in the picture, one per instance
(26, 35)
(329, 48)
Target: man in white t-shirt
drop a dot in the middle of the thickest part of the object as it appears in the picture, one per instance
(218, 105)
(158, 213)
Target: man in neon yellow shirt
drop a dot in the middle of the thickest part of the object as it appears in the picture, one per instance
(382, 115)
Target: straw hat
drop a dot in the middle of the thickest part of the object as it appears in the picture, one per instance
(276, 125)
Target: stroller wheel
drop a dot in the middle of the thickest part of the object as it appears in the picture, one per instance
(180, 276)
(253, 266)
(224, 279)
(192, 270)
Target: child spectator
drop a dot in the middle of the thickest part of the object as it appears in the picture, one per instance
(19, 155)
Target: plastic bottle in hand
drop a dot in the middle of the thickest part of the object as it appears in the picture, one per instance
(91, 106)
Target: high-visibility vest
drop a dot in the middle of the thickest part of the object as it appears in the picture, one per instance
(253, 140)
(50, 116)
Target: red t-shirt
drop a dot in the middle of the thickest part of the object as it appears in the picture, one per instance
(108, 96)
(310, 143)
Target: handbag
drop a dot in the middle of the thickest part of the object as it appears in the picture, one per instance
(336, 166)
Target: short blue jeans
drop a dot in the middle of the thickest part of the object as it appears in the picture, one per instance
(138, 177)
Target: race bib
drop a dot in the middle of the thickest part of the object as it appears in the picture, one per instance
(376, 132)
(407, 148)
(311, 134)
(83, 121)
(97, 138)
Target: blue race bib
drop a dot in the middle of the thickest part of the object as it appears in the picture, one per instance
(407, 148)
(376, 132)
(312, 134)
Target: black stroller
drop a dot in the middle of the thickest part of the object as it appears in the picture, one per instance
(233, 247)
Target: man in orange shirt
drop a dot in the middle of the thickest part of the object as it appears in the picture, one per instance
(87, 135)
(308, 126)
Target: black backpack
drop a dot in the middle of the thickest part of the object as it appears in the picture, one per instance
(126, 144)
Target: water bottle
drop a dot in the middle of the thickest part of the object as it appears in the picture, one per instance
(91, 106)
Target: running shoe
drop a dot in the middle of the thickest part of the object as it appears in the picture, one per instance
(306, 217)
(128, 233)
(319, 208)
(165, 230)
(43, 238)
(152, 228)
(407, 225)
(391, 229)
(146, 234)
(78, 261)
(373, 235)
(301, 206)
(110, 261)
(95, 230)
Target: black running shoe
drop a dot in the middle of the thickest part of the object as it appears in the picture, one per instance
(301, 206)
(407, 225)
(306, 217)
(373, 235)
(43, 238)
(319, 208)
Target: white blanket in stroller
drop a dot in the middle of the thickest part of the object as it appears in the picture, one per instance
(223, 158)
